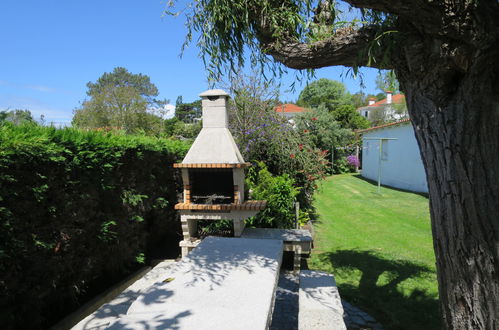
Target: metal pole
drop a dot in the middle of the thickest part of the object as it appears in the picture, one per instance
(379, 164)
(357, 155)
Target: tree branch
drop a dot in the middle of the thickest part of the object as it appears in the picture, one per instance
(348, 47)
(410, 9)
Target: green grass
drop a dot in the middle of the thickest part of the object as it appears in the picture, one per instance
(379, 248)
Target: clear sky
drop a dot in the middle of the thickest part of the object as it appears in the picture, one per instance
(52, 48)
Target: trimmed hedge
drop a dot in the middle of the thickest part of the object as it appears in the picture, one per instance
(77, 208)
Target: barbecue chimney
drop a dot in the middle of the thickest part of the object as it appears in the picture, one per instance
(213, 174)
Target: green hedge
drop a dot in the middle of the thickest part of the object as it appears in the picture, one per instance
(76, 208)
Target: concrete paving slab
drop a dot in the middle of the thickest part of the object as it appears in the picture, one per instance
(319, 302)
(225, 283)
(286, 235)
(298, 241)
(117, 307)
(285, 315)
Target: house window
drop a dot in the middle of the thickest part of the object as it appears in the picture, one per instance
(384, 151)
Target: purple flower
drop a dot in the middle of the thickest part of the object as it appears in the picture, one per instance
(352, 160)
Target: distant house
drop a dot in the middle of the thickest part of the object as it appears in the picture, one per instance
(289, 111)
(401, 164)
(390, 108)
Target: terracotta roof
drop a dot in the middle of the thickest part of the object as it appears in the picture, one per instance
(384, 125)
(288, 107)
(396, 99)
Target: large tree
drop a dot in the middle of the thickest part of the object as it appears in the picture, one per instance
(330, 93)
(446, 57)
(187, 112)
(121, 99)
(17, 116)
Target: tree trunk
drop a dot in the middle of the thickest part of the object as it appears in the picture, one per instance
(455, 114)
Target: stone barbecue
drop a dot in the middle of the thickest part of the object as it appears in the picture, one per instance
(213, 175)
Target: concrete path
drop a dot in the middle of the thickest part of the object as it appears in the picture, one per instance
(225, 283)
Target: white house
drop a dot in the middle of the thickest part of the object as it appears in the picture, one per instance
(401, 164)
(390, 108)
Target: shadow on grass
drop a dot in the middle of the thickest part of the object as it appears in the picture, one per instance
(377, 291)
(375, 183)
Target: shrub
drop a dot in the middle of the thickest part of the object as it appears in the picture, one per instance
(76, 207)
(340, 165)
(280, 194)
(264, 136)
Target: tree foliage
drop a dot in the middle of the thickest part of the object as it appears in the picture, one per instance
(17, 117)
(332, 96)
(121, 77)
(187, 112)
(325, 132)
(120, 99)
(348, 117)
(329, 93)
(387, 81)
(178, 129)
(361, 99)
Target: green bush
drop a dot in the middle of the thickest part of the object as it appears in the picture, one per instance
(340, 166)
(280, 194)
(76, 207)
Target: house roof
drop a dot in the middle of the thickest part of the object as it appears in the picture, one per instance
(396, 99)
(384, 125)
(288, 107)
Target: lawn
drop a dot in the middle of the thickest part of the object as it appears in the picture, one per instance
(379, 248)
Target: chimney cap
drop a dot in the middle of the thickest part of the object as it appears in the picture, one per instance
(213, 92)
(388, 92)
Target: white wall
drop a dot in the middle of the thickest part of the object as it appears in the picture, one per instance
(401, 165)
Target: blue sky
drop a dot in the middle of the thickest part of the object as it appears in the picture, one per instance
(52, 48)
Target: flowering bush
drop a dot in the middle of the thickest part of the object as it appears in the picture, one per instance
(353, 161)
(263, 135)
(322, 131)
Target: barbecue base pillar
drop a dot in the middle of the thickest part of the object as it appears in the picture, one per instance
(187, 245)
(239, 225)
(189, 227)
